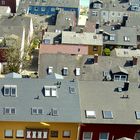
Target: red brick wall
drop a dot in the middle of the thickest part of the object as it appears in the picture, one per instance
(116, 131)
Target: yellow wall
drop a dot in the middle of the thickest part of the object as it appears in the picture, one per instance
(73, 127)
(91, 51)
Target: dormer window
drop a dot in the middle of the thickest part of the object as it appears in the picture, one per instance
(50, 91)
(10, 90)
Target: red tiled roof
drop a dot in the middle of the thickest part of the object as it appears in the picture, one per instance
(65, 49)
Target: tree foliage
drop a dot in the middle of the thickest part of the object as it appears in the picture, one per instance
(13, 55)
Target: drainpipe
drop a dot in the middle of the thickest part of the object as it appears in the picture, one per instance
(78, 132)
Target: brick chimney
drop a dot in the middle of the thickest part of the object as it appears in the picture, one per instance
(126, 86)
(134, 61)
(96, 58)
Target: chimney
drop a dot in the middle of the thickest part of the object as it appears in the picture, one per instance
(135, 59)
(126, 86)
(43, 32)
(96, 58)
(97, 25)
(125, 18)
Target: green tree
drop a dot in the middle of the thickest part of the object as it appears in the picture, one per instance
(13, 55)
(107, 52)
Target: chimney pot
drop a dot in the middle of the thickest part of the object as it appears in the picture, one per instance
(135, 59)
(96, 58)
(126, 86)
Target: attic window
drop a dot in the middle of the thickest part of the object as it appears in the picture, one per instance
(126, 39)
(90, 114)
(54, 112)
(36, 111)
(137, 113)
(107, 115)
(9, 110)
(50, 91)
(72, 90)
(10, 90)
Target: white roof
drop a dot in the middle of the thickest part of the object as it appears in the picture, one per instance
(125, 52)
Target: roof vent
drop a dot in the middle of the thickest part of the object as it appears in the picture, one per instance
(126, 86)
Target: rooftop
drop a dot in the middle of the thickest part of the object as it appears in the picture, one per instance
(83, 38)
(64, 49)
(64, 102)
(88, 69)
(101, 97)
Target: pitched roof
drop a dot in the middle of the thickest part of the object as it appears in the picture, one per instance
(119, 69)
(101, 96)
(13, 75)
(89, 71)
(125, 52)
(120, 35)
(64, 49)
(66, 103)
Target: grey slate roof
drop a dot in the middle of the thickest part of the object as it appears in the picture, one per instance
(88, 71)
(100, 96)
(64, 20)
(15, 22)
(120, 34)
(28, 90)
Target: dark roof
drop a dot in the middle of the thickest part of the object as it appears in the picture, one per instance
(30, 94)
(101, 96)
(89, 70)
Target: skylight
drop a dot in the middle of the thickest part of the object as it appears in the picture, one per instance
(137, 113)
(90, 114)
(107, 115)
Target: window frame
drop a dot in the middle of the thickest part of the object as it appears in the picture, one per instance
(37, 111)
(91, 136)
(90, 116)
(103, 138)
(19, 136)
(11, 131)
(54, 133)
(64, 136)
(105, 116)
(137, 114)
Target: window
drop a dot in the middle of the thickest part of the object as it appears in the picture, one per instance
(37, 111)
(50, 91)
(65, 71)
(36, 8)
(95, 48)
(107, 115)
(120, 78)
(9, 111)
(20, 134)
(10, 90)
(3, 2)
(43, 8)
(53, 9)
(66, 134)
(126, 39)
(94, 13)
(90, 114)
(112, 37)
(87, 135)
(54, 134)
(137, 113)
(104, 136)
(8, 133)
(54, 112)
(72, 90)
